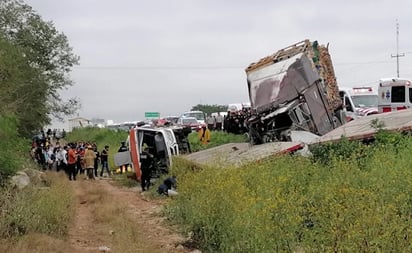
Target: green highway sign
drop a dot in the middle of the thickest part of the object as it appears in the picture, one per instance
(152, 115)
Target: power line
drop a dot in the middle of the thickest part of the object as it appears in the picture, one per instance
(199, 67)
(360, 63)
(156, 67)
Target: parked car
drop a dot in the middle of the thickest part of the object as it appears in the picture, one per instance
(191, 122)
(172, 119)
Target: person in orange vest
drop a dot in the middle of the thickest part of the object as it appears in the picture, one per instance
(204, 135)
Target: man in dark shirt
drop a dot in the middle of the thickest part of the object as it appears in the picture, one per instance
(104, 155)
(146, 165)
(96, 160)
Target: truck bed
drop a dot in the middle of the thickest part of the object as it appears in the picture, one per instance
(361, 128)
(237, 154)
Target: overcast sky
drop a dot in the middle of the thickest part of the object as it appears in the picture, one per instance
(167, 56)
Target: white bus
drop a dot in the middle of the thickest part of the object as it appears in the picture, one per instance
(394, 94)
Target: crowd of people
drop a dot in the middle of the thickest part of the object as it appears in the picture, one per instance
(234, 122)
(73, 158)
(83, 158)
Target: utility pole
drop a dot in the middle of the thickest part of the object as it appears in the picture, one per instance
(397, 49)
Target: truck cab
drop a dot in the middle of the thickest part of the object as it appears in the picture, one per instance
(395, 94)
(293, 89)
(358, 101)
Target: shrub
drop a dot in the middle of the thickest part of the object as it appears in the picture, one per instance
(37, 208)
(12, 151)
(357, 200)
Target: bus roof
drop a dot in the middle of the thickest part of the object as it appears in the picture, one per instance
(394, 81)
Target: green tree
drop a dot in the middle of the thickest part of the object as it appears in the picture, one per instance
(20, 88)
(209, 108)
(11, 150)
(47, 59)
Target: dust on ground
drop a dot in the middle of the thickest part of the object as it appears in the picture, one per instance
(87, 234)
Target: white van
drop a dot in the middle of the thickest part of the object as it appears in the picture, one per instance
(199, 115)
(394, 94)
(359, 101)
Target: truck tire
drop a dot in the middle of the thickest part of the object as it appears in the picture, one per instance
(336, 122)
(340, 117)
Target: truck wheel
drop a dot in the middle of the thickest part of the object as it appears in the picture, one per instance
(336, 122)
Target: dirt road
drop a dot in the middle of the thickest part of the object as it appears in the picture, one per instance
(110, 218)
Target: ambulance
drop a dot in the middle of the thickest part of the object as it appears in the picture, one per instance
(359, 101)
(395, 94)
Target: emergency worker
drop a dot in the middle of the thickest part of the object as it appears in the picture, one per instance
(147, 166)
(204, 135)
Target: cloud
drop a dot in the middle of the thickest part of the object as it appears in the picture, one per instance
(168, 56)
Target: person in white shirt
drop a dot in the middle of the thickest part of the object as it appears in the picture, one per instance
(61, 159)
(219, 122)
(210, 121)
(51, 157)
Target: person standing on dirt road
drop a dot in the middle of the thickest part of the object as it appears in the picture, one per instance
(61, 159)
(104, 155)
(147, 164)
(80, 156)
(96, 160)
(89, 157)
(71, 162)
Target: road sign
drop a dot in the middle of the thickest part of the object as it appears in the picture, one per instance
(152, 115)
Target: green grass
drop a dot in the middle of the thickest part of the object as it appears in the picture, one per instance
(126, 180)
(348, 197)
(358, 201)
(217, 138)
(43, 207)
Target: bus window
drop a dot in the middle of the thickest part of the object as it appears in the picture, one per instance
(398, 94)
(410, 95)
(348, 104)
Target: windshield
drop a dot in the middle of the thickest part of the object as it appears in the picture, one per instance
(365, 101)
(189, 121)
(197, 115)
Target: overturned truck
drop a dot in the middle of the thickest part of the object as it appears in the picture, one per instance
(293, 89)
